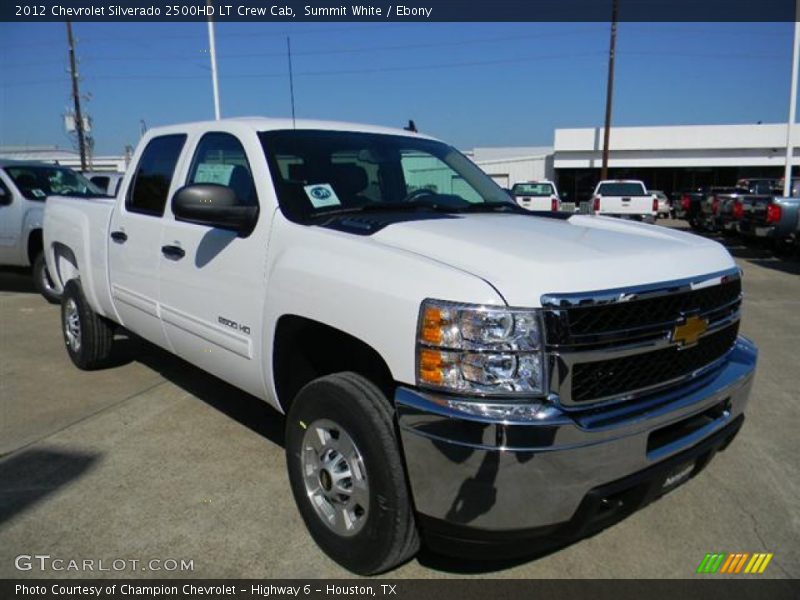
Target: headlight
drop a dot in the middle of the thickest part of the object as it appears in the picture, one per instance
(480, 349)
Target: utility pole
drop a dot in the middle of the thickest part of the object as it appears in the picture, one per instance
(610, 88)
(787, 174)
(76, 99)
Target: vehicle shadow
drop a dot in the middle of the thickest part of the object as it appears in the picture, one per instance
(16, 280)
(29, 476)
(252, 412)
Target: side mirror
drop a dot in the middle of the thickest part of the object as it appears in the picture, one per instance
(214, 205)
(5, 197)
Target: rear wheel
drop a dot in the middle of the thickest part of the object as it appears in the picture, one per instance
(87, 335)
(42, 280)
(347, 475)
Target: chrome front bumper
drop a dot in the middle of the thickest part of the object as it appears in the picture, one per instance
(534, 471)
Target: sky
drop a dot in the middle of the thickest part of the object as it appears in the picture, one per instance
(471, 84)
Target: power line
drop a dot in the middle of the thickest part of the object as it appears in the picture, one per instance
(352, 50)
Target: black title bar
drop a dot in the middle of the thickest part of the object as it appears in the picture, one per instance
(290, 11)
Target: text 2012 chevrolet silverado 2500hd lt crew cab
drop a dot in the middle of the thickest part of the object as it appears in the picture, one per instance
(24, 187)
(454, 369)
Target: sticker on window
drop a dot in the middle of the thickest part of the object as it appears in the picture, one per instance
(38, 193)
(321, 195)
(213, 173)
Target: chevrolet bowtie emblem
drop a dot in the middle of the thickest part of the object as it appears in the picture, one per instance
(687, 333)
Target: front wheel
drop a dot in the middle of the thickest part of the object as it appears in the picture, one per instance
(87, 335)
(347, 475)
(43, 281)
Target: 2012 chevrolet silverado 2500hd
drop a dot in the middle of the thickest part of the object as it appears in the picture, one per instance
(453, 367)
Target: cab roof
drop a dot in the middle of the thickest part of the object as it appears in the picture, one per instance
(259, 124)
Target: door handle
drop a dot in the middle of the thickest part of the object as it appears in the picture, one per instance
(119, 236)
(173, 252)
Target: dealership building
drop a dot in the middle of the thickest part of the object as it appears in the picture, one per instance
(665, 158)
(671, 159)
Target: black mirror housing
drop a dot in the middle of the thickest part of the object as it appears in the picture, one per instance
(5, 197)
(214, 205)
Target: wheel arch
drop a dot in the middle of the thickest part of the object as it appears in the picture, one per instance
(35, 243)
(304, 349)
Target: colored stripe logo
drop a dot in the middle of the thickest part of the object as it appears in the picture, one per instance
(735, 563)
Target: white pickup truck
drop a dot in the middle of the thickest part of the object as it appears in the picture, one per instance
(538, 195)
(24, 188)
(626, 198)
(454, 369)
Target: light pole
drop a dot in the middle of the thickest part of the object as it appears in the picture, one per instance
(212, 48)
(787, 174)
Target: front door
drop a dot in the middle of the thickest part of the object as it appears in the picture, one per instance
(213, 282)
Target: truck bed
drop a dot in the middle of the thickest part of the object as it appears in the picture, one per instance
(81, 227)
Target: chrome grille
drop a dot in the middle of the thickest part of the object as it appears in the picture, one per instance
(616, 345)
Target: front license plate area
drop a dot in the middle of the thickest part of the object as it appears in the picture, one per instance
(677, 476)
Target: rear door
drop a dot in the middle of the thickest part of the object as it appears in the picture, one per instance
(213, 282)
(10, 223)
(134, 247)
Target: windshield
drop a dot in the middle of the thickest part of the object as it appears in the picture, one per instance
(533, 189)
(322, 172)
(37, 182)
(621, 189)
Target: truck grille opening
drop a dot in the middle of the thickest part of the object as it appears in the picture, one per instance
(583, 322)
(601, 379)
(617, 346)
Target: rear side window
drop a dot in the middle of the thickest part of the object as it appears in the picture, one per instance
(100, 181)
(151, 181)
(621, 189)
(220, 159)
(533, 189)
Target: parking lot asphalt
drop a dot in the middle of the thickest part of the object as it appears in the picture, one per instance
(154, 459)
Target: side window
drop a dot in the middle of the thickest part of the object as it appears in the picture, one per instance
(8, 197)
(100, 181)
(151, 181)
(220, 159)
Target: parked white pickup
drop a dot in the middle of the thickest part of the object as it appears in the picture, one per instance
(447, 361)
(538, 195)
(625, 198)
(24, 188)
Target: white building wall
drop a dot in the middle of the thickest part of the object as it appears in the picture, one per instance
(681, 146)
(507, 172)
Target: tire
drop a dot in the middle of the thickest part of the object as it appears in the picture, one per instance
(42, 280)
(337, 408)
(87, 335)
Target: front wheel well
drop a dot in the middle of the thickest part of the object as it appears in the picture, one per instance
(305, 350)
(35, 244)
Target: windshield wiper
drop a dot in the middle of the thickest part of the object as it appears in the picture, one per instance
(384, 207)
(492, 207)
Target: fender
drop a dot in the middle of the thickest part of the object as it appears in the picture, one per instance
(353, 284)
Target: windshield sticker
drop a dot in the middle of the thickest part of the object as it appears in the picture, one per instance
(321, 195)
(38, 193)
(213, 173)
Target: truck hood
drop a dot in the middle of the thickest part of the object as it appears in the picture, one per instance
(524, 257)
